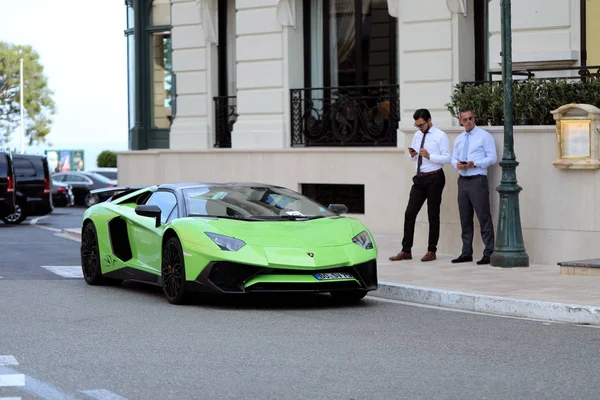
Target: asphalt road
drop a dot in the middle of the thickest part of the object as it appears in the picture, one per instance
(63, 339)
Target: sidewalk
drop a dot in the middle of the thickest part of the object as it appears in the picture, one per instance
(538, 291)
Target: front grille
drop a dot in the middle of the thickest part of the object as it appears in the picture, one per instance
(230, 277)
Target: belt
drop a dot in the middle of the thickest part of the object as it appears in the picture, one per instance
(430, 173)
(471, 176)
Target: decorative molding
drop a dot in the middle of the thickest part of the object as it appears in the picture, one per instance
(208, 15)
(394, 8)
(286, 12)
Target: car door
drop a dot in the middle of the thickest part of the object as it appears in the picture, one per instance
(146, 236)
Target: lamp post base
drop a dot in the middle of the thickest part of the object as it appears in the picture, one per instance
(510, 247)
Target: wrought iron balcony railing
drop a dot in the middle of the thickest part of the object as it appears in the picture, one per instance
(225, 117)
(345, 116)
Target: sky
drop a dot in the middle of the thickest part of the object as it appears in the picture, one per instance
(84, 53)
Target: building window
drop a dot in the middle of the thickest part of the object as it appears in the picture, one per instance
(352, 196)
(162, 94)
(151, 82)
(159, 31)
(350, 43)
(351, 96)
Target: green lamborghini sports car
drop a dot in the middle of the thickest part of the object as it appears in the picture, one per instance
(226, 238)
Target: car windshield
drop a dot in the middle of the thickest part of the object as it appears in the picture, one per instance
(251, 202)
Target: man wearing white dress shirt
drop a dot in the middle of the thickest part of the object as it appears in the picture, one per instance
(430, 150)
(474, 152)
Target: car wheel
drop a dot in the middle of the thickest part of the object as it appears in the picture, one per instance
(91, 199)
(18, 216)
(173, 272)
(90, 256)
(349, 296)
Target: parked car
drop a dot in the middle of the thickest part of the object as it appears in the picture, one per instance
(32, 188)
(82, 182)
(62, 194)
(7, 185)
(110, 173)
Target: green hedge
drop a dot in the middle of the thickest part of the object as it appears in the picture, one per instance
(107, 159)
(533, 99)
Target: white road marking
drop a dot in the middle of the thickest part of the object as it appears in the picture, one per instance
(8, 360)
(65, 271)
(35, 220)
(48, 228)
(102, 394)
(12, 380)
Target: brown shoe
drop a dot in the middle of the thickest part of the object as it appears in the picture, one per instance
(401, 256)
(430, 256)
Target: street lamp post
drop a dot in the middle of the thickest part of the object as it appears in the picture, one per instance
(510, 247)
(21, 93)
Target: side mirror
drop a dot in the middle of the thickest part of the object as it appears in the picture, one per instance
(150, 211)
(338, 208)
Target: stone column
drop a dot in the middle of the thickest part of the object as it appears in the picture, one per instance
(263, 54)
(193, 34)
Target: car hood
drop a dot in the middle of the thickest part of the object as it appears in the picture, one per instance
(323, 232)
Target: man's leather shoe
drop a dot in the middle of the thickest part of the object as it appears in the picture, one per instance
(401, 256)
(462, 259)
(430, 256)
(484, 260)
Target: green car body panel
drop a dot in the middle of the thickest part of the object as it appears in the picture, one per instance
(286, 252)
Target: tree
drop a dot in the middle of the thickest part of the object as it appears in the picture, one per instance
(107, 159)
(38, 103)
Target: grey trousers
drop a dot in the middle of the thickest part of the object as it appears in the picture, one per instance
(474, 195)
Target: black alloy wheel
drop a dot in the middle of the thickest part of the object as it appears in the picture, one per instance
(90, 256)
(173, 272)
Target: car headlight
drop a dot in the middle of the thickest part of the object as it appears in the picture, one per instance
(363, 240)
(226, 242)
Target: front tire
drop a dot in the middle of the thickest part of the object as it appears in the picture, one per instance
(90, 256)
(173, 272)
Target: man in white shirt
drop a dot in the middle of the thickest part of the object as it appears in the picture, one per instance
(430, 150)
(474, 151)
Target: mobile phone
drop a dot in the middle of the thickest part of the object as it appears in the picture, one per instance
(464, 162)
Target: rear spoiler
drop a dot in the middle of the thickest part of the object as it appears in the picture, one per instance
(120, 191)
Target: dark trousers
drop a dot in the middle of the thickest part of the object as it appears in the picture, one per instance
(430, 188)
(474, 195)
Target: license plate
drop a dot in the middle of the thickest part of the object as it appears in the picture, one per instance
(323, 276)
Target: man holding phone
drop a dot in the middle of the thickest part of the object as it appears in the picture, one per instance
(428, 183)
(474, 152)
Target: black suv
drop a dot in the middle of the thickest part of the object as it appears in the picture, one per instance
(7, 185)
(33, 188)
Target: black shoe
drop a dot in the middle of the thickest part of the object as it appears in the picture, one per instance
(484, 260)
(462, 259)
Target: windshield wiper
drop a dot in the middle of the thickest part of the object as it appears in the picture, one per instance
(217, 216)
(284, 217)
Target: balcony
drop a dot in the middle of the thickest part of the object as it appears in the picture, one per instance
(536, 92)
(225, 117)
(345, 116)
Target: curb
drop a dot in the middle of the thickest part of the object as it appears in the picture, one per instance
(543, 310)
